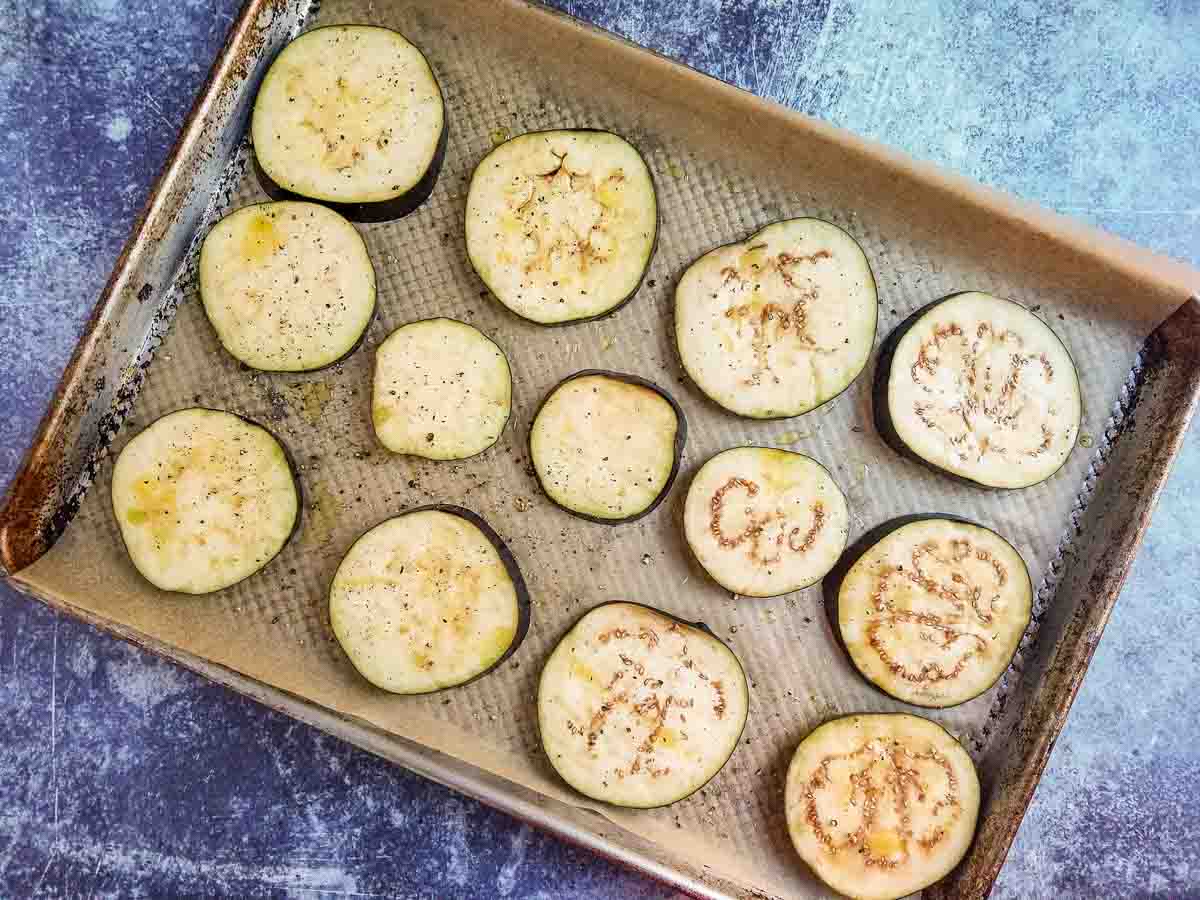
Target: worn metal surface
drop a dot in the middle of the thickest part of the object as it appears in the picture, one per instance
(1150, 466)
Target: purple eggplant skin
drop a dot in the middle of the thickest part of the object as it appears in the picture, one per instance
(680, 441)
(883, 415)
(649, 259)
(831, 587)
(524, 604)
(292, 467)
(699, 626)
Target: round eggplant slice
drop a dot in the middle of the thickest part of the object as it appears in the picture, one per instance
(352, 116)
(780, 323)
(427, 600)
(980, 388)
(640, 709)
(931, 608)
(442, 390)
(561, 225)
(203, 499)
(764, 522)
(288, 287)
(880, 806)
(606, 446)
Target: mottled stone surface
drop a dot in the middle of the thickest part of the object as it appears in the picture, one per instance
(121, 775)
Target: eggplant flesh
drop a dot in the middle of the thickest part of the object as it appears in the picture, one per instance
(606, 446)
(778, 324)
(203, 499)
(931, 609)
(427, 600)
(288, 287)
(979, 388)
(561, 225)
(763, 522)
(351, 116)
(638, 708)
(881, 806)
(442, 390)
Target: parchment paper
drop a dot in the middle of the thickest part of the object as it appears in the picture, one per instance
(725, 165)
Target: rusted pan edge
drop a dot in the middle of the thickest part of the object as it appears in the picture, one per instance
(1112, 529)
(578, 825)
(99, 382)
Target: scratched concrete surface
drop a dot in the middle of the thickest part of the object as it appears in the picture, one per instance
(121, 775)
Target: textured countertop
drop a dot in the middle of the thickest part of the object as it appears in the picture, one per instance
(122, 775)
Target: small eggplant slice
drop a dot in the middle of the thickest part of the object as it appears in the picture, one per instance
(350, 116)
(561, 225)
(606, 447)
(442, 390)
(979, 388)
(203, 499)
(427, 600)
(881, 806)
(931, 609)
(780, 323)
(640, 709)
(288, 287)
(764, 522)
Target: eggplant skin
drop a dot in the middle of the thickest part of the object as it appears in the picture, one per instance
(832, 587)
(368, 213)
(699, 626)
(649, 258)
(524, 604)
(680, 441)
(292, 467)
(883, 415)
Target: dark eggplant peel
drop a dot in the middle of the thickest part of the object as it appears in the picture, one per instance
(203, 499)
(880, 806)
(350, 116)
(640, 709)
(980, 388)
(561, 225)
(780, 323)
(931, 609)
(427, 600)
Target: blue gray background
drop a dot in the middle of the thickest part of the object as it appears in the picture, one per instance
(121, 775)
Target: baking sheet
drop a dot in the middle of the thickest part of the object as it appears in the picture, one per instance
(724, 167)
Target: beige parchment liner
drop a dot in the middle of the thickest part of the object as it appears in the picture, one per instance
(725, 165)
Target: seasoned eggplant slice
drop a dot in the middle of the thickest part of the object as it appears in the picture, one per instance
(288, 287)
(351, 116)
(764, 522)
(442, 390)
(607, 446)
(203, 499)
(880, 806)
(427, 600)
(931, 608)
(640, 709)
(780, 323)
(980, 388)
(561, 225)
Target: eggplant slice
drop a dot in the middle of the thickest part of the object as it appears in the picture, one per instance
(351, 116)
(931, 609)
(980, 388)
(764, 522)
(561, 225)
(606, 447)
(427, 600)
(780, 323)
(442, 390)
(203, 499)
(288, 287)
(640, 709)
(881, 806)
